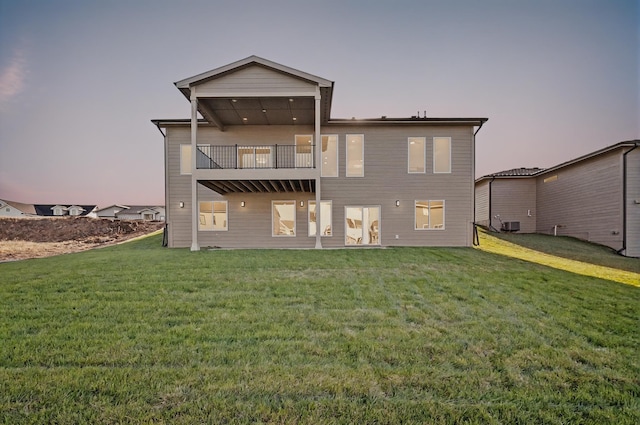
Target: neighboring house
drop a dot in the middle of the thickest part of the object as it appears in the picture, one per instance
(110, 211)
(141, 212)
(16, 209)
(595, 197)
(254, 170)
(60, 210)
(133, 212)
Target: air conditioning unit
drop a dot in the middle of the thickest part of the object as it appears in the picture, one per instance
(511, 226)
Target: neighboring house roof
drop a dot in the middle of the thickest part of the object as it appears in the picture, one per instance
(24, 208)
(47, 209)
(530, 172)
(139, 209)
(514, 172)
(627, 143)
(112, 206)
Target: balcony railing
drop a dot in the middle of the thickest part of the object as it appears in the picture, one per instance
(254, 157)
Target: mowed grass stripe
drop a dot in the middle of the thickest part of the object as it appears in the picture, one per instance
(495, 245)
(141, 334)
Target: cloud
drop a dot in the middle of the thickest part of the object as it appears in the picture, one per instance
(12, 77)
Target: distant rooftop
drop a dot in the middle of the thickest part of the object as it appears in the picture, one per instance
(517, 172)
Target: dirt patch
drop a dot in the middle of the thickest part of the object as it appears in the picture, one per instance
(22, 238)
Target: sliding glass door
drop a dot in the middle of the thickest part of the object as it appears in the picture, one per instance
(362, 226)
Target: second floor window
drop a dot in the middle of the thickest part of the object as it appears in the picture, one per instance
(416, 152)
(355, 155)
(329, 156)
(442, 154)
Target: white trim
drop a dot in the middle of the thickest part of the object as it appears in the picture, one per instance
(424, 155)
(346, 147)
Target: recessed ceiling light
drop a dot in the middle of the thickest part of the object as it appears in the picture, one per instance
(264, 110)
(234, 100)
(290, 100)
(294, 118)
(244, 119)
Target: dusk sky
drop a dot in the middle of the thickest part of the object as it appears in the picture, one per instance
(81, 80)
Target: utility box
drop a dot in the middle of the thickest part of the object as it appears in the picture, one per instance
(511, 226)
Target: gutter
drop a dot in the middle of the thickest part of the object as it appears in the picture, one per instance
(624, 199)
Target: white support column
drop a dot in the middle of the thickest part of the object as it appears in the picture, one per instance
(318, 164)
(194, 183)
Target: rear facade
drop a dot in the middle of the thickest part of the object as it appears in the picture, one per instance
(266, 167)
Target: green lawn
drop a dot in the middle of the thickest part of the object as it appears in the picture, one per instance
(137, 333)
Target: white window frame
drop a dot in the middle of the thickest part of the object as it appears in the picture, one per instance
(435, 169)
(337, 158)
(213, 214)
(321, 218)
(424, 154)
(347, 174)
(428, 202)
(295, 213)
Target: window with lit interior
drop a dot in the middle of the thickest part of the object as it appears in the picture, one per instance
(442, 154)
(283, 218)
(355, 155)
(330, 156)
(429, 215)
(416, 152)
(325, 218)
(212, 215)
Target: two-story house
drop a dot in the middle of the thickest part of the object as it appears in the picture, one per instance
(261, 163)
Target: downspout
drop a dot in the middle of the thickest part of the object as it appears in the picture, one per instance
(624, 199)
(474, 240)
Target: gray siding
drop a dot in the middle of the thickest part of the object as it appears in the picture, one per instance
(385, 180)
(482, 203)
(514, 200)
(585, 200)
(633, 203)
(253, 80)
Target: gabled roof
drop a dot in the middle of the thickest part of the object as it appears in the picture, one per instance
(186, 83)
(113, 206)
(24, 208)
(238, 107)
(138, 209)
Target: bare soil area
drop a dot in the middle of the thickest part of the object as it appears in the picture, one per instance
(22, 238)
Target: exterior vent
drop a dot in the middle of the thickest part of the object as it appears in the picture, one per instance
(511, 226)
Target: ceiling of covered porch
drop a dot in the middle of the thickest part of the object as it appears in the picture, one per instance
(224, 187)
